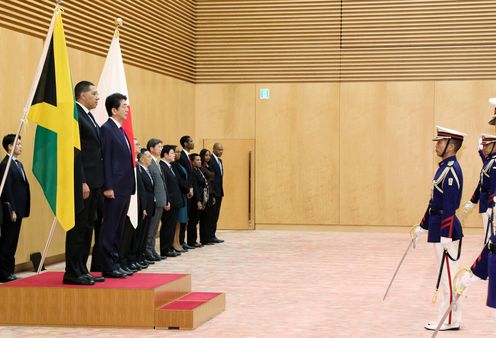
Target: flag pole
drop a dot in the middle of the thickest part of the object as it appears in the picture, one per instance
(47, 245)
(32, 91)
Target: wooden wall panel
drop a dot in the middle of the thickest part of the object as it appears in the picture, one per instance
(162, 107)
(297, 154)
(463, 105)
(260, 41)
(386, 152)
(225, 111)
(157, 35)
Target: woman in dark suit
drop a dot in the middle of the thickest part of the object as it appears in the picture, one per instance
(199, 200)
(182, 175)
(206, 215)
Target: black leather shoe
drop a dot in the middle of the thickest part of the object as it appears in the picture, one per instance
(81, 280)
(216, 240)
(158, 258)
(179, 251)
(188, 247)
(152, 258)
(134, 266)
(172, 254)
(149, 262)
(198, 245)
(96, 279)
(142, 264)
(125, 271)
(114, 274)
(6, 279)
(209, 243)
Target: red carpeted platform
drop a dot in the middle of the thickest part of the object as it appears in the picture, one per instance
(129, 302)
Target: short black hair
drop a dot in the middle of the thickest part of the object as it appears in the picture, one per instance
(81, 87)
(192, 156)
(457, 144)
(184, 139)
(8, 139)
(203, 152)
(141, 153)
(114, 101)
(152, 143)
(167, 148)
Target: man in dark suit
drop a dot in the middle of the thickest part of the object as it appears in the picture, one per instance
(169, 217)
(146, 208)
(188, 145)
(16, 201)
(119, 183)
(218, 169)
(88, 179)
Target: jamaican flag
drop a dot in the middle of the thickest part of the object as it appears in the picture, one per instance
(53, 109)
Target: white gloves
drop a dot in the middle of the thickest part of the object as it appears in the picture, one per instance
(467, 207)
(445, 240)
(417, 230)
(480, 143)
(465, 280)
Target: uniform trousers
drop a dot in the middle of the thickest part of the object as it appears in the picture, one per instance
(446, 286)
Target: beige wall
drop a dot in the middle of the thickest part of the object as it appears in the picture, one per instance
(162, 106)
(350, 153)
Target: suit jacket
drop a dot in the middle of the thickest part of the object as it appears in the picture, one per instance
(91, 150)
(16, 190)
(159, 188)
(185, 162)
(199, 183)
(118, 163)
(182, 176)
(173, 189)
(146, 198)
(218, 184)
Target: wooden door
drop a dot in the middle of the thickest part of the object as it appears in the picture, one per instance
(237, 211)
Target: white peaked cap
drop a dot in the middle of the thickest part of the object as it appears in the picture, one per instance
(445, 133)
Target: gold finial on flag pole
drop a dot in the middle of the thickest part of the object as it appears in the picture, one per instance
(118, 23)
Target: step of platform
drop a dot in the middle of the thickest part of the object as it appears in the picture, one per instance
(130, 302)
(190, 311)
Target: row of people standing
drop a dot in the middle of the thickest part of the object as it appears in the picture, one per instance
(104, 183)
(445, 229)
(194, 196)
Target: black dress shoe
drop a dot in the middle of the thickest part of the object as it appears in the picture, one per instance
(114, 274)
(158, 258)
(81, 280)
(216, 240)
(149, 262)
(134, 266)
(198, 245)
(142, 264)
(209, 243)
(188, 247)
(179, 251)
(6, 279)
(152, 258)
(126, 271)
(172, 254)
(96, 279)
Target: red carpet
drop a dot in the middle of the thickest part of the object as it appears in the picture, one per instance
(138, 281)
(178, 305)
(202, 296)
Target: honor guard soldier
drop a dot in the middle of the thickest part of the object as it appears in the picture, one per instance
(486, 188)
(444, 228)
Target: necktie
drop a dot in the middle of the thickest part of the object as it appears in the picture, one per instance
(20, 168)
(125, 137)
(172, 171)
(92, 118)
